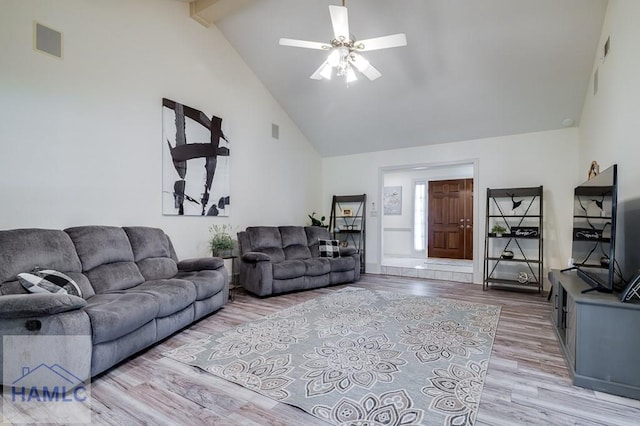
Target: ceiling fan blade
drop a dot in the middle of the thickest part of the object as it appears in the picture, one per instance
(362, 65)
(385, 42)
(340, 22)
(302, 43)
(318, 74)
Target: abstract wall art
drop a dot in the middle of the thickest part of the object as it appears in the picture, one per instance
(195, 170)
(392, 200)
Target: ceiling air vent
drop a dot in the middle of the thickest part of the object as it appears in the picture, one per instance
(47, 40)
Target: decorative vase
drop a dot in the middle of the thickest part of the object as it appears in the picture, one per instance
(221, 252)
(507, 254)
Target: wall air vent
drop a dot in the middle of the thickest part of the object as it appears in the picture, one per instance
(47, 40)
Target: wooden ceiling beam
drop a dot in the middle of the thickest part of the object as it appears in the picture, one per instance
(208, 12)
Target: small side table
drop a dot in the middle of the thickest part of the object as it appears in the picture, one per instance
(234, 277)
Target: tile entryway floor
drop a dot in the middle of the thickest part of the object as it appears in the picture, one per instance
(432, 268)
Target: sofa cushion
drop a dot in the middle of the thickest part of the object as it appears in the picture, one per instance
(99, 245)
(276, 255)
(115, 315)
(22, 250)
(38, 305)
(49, 281)
(157, 268)
(148, 242)
(172, 295)
(255, 257)
(341, 264)
(266, 239)
(200, 264)
(288, 269)
(294, 242)
(83, 282)
(316, 267)
(14, 287)
(115, 276)
(297, 252)
(292, 235)
(315, 233)
(264, 236)
(329, 248)
(207, 283)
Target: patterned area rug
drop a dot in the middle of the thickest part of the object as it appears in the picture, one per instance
(361, 357)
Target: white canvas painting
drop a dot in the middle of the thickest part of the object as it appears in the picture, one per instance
(392, 200)
(195, 171)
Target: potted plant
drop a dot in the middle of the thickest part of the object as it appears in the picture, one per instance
(221, 241)
(317, 222)
(498, 230)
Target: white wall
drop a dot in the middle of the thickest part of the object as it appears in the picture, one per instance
(80, 138)
(544, 158)
(610, 123)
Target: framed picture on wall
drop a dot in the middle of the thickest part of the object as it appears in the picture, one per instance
(392, 200)
(347, 212)
(195, 163)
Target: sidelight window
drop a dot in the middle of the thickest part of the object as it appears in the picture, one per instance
(419, 216)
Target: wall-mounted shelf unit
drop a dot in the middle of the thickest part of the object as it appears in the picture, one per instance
(347, 222)
(514, 259)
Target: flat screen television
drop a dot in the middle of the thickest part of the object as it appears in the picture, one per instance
(595, 205)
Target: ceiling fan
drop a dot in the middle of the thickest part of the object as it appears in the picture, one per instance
(344, 49)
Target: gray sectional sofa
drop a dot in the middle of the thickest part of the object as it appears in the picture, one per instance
(276, 260)
(134, 290)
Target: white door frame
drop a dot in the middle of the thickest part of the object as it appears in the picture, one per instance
(477, 270)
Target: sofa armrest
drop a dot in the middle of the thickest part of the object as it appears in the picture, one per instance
(37, 305)
(347, 251)
(255, 257)
(200, 264)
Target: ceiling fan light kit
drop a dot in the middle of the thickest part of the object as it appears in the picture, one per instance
(343, 50)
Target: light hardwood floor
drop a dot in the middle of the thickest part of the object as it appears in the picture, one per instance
(527, 380)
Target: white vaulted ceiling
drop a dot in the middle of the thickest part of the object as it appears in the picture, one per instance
(472, 68)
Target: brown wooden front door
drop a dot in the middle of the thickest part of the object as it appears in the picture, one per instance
(451, 219)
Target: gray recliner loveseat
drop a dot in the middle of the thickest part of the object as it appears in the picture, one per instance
(134, 290)
(276, 260)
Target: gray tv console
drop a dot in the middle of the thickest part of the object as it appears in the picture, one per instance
(599, 336)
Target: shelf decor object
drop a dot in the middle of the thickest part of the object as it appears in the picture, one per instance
(347, 223)
(513, 249)
(507, 254)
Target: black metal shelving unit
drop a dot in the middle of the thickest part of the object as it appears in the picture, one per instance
(350, 229)
(520, 211)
